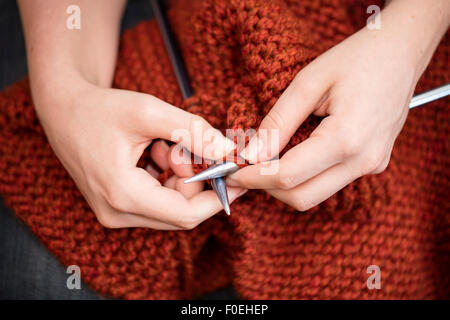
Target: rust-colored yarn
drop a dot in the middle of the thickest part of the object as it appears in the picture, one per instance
(240, 55)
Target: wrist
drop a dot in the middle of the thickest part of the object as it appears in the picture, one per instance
(58, 90)
(63, 71)
(415, 28)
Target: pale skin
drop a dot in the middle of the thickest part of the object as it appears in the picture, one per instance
(363, 86)
(99, 133)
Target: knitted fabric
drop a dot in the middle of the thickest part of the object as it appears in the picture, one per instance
(240, 56)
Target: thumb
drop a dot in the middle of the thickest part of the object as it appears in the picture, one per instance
(296, 103)
(163, 120)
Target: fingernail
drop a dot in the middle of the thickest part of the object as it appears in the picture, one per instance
(252, 150)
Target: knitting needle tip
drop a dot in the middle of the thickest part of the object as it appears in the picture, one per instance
(220, 187)
(215, 171)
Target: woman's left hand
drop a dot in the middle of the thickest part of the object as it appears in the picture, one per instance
(363, 87)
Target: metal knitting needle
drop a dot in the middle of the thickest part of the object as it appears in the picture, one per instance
(429, 96)
(220, 187)
(218, 183)
(226, 168)
(172, 49)
(215, 171)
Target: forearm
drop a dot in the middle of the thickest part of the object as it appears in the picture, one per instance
(58, 56)
(418, 25)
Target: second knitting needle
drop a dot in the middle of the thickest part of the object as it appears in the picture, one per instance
(220, 187)
(215, 171)
(218, 184)
(218, 171)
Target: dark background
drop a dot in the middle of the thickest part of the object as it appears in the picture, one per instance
(27, 269)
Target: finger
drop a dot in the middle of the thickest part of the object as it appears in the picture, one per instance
(153, 172)
(145, 196)
(181, 165)
(160, 154)
(298, 101)
(206, 203)
(171, 182)
(138, 221)
(309, 158)
(180, 162)
(317, 189)
(117, 219)
(159, 119)
(109, 217)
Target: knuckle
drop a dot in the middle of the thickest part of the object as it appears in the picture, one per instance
(350, 142)
(373, 161)
(302, 204)
(196, 121)
(107, 221)
(276, 119)
(188, 226)
(187, 223)
(285, 180)
(384, 164)
(116, 199)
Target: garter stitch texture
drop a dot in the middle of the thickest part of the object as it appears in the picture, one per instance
(240, 56)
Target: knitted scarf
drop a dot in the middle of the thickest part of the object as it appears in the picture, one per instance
(240, 56)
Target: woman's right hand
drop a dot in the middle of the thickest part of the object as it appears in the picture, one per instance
(99, 134)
